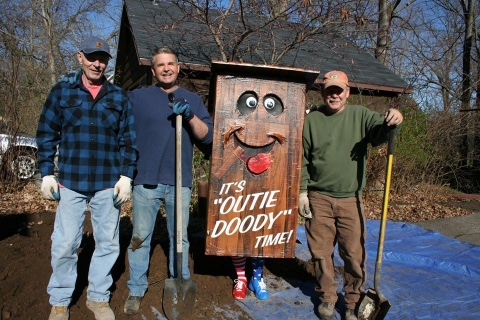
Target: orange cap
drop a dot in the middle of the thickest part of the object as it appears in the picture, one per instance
(335, 78)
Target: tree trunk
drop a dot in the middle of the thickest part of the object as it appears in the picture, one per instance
(382, 31)
(466, 90)
(385, 15)
(467, 49)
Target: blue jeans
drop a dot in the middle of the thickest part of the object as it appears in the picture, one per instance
(66, 239)
(146, 203)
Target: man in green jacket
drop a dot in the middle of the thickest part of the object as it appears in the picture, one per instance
(335, 140)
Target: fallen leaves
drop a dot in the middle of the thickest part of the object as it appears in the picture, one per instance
(418, 203)
(29, 200)
(26, 200)
(425, 202)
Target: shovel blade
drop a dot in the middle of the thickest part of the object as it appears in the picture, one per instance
(179, 298)
(373, 306)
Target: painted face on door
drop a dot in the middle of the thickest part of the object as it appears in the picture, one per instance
(257, 144)
(256, 128)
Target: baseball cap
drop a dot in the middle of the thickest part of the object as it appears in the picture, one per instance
(95, 44)
(335, 78)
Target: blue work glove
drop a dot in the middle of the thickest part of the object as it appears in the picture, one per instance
(181, 107)
(69, 78)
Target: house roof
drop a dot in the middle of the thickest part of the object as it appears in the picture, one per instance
(152, 25)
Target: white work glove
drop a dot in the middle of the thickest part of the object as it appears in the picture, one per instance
(304, 206)
(122, 190)
(50, 188)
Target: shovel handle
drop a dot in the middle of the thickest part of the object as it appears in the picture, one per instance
(391, 143)
(178, 191)
(383, 221)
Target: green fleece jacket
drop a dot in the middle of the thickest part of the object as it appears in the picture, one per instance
(335, 149)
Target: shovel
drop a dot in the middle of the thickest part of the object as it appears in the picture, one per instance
(374, 305)
(179, 293)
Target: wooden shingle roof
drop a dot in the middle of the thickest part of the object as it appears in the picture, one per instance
(152, 25)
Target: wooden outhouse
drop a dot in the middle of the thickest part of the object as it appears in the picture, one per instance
(256, 159)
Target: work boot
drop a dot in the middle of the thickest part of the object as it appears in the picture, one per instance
(101, 309)
(259, 288)
(350, 315)
(59, 313)
(326, 310)
(239, 290)
(132, 305)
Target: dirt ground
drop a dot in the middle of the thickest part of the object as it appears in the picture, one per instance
(26, 224)
(25, 269)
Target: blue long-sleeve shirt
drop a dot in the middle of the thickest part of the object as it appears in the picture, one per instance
(155, 126)
(96, 138)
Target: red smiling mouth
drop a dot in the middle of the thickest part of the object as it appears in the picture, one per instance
(250, 151)
(257, 158)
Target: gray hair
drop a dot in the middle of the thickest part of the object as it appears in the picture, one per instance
(160, 50)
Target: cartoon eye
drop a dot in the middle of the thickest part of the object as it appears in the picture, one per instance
(247, 103)
(269, 103)
(251, 102)
(273, 105)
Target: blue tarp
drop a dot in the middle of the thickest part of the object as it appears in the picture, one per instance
(425, 275)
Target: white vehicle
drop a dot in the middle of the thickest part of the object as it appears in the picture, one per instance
(18, 152)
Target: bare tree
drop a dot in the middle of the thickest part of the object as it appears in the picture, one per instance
(431, 50)
(385, 15)
(63, 21)
(37, 42)
(468, 16)
(38, 39)
(231, 25)
(469, 23)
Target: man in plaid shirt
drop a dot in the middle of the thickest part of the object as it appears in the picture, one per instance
(90, 121)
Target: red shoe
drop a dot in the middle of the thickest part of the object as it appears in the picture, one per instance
(239, 290)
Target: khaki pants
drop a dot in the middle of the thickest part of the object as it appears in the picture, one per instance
(337, 220)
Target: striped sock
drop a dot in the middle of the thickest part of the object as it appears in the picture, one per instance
(239, 265)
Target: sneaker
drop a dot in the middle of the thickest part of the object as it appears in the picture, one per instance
(350, 315)
(132, 305)
(239, 290)
(326, 310)
(101, 309)
(59, 313)
(259, 288)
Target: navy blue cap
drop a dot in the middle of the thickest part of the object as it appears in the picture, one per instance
(95, 44)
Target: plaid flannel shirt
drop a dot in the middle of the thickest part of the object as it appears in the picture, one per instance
(96, 138)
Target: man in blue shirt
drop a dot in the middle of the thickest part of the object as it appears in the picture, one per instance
(155, 182)
(90, 121)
